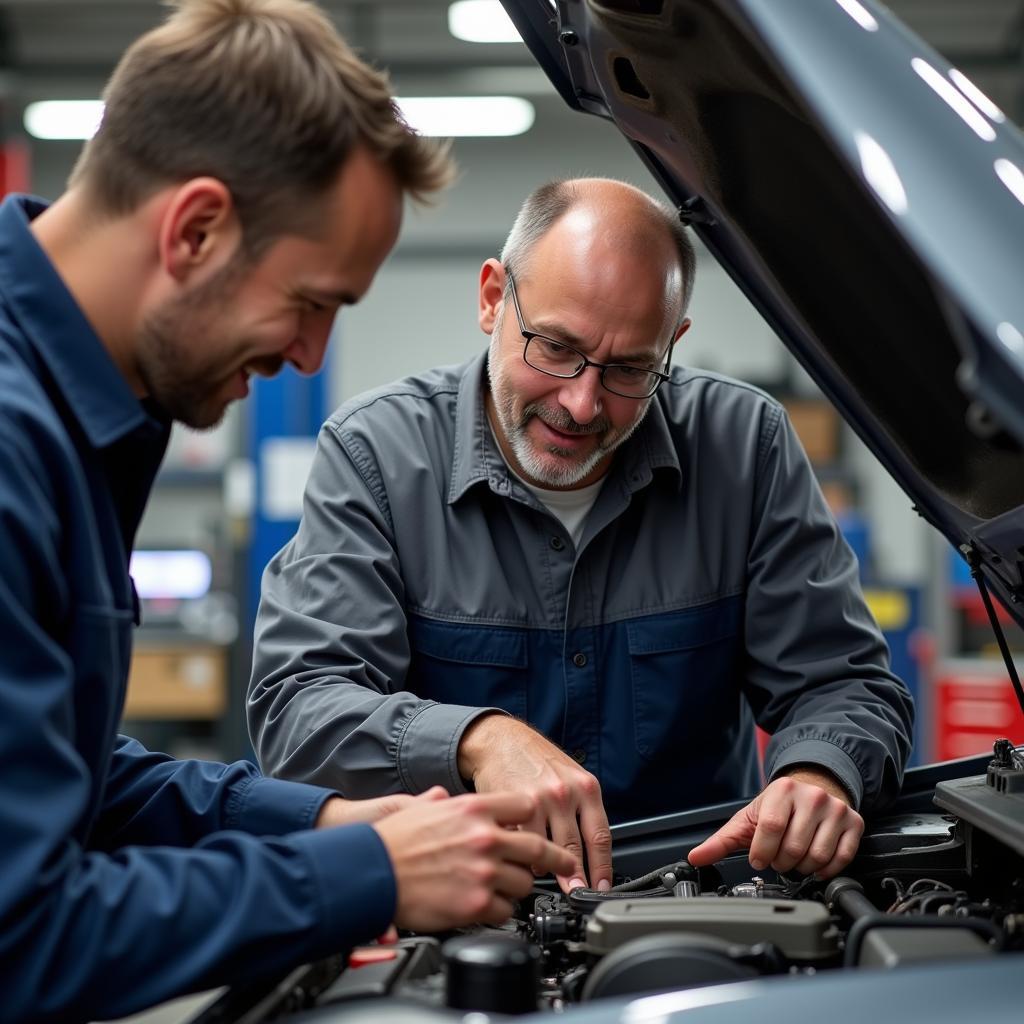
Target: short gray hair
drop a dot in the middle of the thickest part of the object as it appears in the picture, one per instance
(552, 200)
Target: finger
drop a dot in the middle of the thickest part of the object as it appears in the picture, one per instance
(773, 816)
(825, 841)
(508, 808)
(433, 794)
(513, 882)
(565, 832)
(804, 827)
(846, 850)
(538, 826)
(497, 911)
(598, 838)
(734, 835)
(528, 848)
(389, 938)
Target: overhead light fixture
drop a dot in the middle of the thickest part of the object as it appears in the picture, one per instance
(447, 116)
(63, 119)
(481, 21)
(451, 116)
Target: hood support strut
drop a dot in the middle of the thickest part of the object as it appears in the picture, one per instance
(974, 561)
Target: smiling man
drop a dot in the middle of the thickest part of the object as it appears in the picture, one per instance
(246, 181)
(571, 569)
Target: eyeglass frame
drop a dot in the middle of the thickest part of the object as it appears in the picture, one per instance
(529, 335)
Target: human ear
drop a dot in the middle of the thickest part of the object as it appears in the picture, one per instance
(491, 294)
(199, 229)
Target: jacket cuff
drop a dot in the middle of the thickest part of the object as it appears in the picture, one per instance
(274, 807)
(820, 754)
(361, 908)
(428, 747)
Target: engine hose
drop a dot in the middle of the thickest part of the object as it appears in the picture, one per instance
(679, 871)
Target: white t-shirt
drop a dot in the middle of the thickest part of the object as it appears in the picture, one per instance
(570, 508)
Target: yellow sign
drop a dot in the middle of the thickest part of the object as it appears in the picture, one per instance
(891, 608)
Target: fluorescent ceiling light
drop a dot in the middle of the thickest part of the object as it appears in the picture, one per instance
(430, 115)
(481, 21)
(63, 119)
(468, 115)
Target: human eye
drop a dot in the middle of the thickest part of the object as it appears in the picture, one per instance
(552, 349)
(626, 372)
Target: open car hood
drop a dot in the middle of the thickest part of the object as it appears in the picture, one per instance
(866, 198)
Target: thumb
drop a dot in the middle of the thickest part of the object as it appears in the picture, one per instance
(735, 834)
(432, 795)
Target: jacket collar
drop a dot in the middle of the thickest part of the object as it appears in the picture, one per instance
(476, 457)
(94, 389)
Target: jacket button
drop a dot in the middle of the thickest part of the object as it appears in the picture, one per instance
(579, 659)
(579, 756)
(557, 543)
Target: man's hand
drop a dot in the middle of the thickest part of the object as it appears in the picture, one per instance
(337, 811)
(801, 822)
(457, 861)
(499, 753)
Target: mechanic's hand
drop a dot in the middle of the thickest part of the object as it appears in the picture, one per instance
(501, 753)
(337, 811)
(801, 822)
(457, 861)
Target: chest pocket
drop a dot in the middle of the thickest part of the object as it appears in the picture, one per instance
(684, 676)
(476, 666)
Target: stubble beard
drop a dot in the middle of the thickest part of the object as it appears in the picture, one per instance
(177, 347)
(570, 468)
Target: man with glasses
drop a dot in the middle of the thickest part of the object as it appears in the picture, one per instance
(566, 569)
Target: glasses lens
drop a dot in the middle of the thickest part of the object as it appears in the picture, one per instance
(550, 357)
(630, 381)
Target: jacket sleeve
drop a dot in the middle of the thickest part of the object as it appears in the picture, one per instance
(331, 651)
(818, 674)
(100, 931)
(152, 799)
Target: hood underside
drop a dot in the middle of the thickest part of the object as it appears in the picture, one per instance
(867, 200)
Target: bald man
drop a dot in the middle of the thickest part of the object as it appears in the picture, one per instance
(571, 569)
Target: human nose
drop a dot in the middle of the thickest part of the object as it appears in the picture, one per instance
(581, 396)
(306, 351)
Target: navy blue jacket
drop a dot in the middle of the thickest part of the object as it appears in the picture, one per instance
(126, 877)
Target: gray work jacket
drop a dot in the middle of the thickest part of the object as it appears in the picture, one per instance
(711, 589)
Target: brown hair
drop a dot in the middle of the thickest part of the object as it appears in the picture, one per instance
(263, 95)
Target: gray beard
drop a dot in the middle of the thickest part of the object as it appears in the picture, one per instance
(567, 473)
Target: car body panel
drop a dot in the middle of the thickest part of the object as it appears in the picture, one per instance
(868, 201)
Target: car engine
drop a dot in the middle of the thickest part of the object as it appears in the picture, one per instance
(943, 884)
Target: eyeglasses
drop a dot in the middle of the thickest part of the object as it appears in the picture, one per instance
(557, 359)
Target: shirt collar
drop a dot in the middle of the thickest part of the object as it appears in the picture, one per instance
(477, 459)
(96, 392)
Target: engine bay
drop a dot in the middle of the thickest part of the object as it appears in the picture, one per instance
(941, 884)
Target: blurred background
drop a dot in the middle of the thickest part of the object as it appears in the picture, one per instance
(227, 499)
